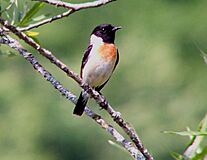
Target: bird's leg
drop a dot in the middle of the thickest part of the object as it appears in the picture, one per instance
(101, 108)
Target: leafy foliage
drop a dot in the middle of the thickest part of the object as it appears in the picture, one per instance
(194, 150)
(176, 156)
(188, 133)
(31, 13)
(7, 53)
(201, 155)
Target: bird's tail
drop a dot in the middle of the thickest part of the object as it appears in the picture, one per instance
(81, 103)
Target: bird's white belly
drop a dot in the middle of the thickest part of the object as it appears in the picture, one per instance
(97, 71)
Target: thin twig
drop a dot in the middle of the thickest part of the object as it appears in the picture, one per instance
(100, 99)
(64, 14)
(76, 7)
(69, 96)
(45, 21)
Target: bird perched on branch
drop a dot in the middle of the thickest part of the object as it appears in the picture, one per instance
(99, 61)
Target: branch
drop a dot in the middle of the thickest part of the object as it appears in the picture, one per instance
(49, 20)
(76, 7)
(101, 100)
(71, 97)
(72, 9)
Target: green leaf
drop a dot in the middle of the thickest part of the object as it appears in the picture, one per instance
(201, 155)
(13, 15)
(31, 33)
(41, 17)
(16, 3)
(203, 54)
(7, 53)
(203, 124)
(194, 146)
(188, 133)
(36, 7)
(11, 54)
(8, 16)
(7, 8)
(188, 129)
(177, 156)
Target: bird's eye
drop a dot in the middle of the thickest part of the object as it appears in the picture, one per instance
(103, 30)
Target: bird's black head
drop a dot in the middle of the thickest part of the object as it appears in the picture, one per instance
(106, 32)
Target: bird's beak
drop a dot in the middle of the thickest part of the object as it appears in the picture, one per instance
(116, 28)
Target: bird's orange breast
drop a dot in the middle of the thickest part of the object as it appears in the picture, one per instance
(108, 51)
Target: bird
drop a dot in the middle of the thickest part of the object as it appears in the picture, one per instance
(98, 63)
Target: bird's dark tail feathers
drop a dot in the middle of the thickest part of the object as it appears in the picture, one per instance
(81, 103)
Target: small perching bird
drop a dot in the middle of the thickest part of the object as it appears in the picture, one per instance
(99, 61)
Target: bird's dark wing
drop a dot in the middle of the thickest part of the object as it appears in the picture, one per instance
(85, 58)
(117, 61)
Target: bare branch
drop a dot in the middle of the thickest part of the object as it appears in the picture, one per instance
(101, 100)
(76, 7)
(71, 97)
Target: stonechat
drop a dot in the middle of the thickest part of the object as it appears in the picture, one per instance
(99, 61)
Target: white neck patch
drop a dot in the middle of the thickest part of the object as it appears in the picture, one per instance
(96, 40)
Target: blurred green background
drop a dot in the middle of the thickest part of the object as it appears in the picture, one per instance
(160, 83)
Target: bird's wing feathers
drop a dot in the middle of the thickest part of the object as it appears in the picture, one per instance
(85, 58)
(117, 61)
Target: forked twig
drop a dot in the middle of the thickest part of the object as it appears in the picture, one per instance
(76, 7)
